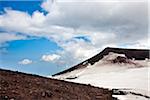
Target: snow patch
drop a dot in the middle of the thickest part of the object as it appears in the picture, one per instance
(104, 74)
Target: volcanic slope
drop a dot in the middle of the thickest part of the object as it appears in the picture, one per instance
(124, 70)
(21, 86)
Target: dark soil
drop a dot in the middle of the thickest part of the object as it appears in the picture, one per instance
(21, 86)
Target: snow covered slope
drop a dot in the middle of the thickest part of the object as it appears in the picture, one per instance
(115, 71)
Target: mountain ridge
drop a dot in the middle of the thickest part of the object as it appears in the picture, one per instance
(137, 54)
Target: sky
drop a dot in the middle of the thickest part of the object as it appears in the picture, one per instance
(47, 36)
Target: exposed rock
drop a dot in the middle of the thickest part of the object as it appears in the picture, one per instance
(120, 59)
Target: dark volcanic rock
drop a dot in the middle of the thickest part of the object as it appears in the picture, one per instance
(21, 86)
(120, 59)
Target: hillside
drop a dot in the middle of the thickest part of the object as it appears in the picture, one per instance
(21, 86)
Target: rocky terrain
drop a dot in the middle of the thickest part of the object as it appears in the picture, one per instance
(21, 86)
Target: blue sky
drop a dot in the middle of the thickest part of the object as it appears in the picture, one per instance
(32, 48)
(44, 37)
(26, 6)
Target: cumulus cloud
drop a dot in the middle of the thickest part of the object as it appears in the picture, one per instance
(25, 62)
(123, 19)
(50, 58)
(48, 5)
(104, 23)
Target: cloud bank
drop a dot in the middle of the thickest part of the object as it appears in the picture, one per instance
(118, 24)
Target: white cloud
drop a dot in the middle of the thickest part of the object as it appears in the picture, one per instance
(139, 44)
(14, 20)
(48, 5)
(79, 49)
(25, 62)
(50, 58)
(5, 37)
(123, 19)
